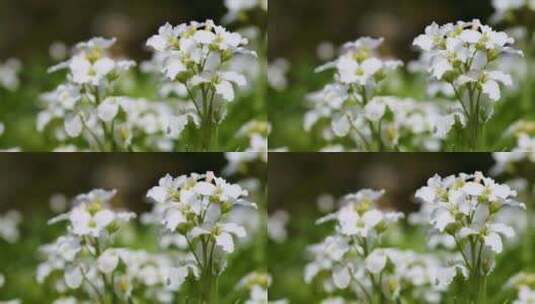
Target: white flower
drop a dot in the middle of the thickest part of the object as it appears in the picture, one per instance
(197, 206)
(224, 84)
(376, 261)
(341, 277)
(358, 65)
(359, 218)
(91, 217)
(276, 226)
(73, 277)
(9, 74)
(9, 226)
(176, 277)
(108, 261)
(525, 296)
(464, 207)
(276, 73)
(464, 56)
(108, 109)
(224, 233)
(90, 65)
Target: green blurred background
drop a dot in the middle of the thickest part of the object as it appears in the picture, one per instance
(297, 179)
(296, 27)
(30, 179)
(29, 27)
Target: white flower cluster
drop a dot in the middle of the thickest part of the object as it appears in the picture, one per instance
(9, 226)
(464, 208)
(91, 66)
(196, 207)
(193, 55)
(462, 55)
(360, 68)
(401, 124)
(195, 59)
(85, 107)
(87, 261)
(372, 122)
(353, 257)
(524, 284)
(257, 285)
(9, 74)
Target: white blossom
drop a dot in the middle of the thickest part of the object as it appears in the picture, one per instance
(9, 74)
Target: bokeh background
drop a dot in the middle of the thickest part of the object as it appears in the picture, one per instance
(296, 180)
(30, 179)
(297, 27)
(29, 27)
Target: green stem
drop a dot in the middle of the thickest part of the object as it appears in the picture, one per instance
(527, 250)
(482, 291)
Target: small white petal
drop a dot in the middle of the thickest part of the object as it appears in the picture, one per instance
(341, 126)
(494, 242)
(73, 277)
(225, 89)
(108, 261)
(376, 261)
(341, 277)
(107, 110)
(73, 126)
(492, 90)
(225, 241)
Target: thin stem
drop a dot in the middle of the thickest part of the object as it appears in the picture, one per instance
(458, 96)
(93, 286)
(359, 284)
(362, 137)
(190, 95)
(460, 249)
(190, 245)
(95, 137)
